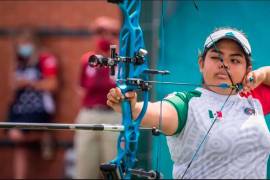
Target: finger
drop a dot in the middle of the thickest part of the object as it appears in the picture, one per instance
(246, 89)
(246, 85)
(109, 103)
(130, 94)
(244, 93)
(250, 77)
(251, 82)
(114, 94)
(112, 98)
(119, 93)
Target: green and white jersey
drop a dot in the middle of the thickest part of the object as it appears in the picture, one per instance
(237, 146)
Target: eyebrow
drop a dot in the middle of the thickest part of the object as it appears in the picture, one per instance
(220, 52)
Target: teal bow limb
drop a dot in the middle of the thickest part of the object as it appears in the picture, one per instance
(131, 41)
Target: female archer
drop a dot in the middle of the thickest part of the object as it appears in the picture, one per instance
(217, 130)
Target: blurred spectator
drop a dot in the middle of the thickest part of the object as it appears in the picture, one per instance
(69, 163)
(35, 81)
(94, 148)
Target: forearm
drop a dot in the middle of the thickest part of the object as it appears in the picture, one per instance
(164, 118)
(20, 83)
(266, 72)
(48, 84)
(151, 117)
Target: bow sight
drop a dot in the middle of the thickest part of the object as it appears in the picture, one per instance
(100, 61)
(97, 60)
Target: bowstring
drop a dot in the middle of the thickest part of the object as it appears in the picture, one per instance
(162, 46)
(226, 100)
(204, 138)
(161, 102)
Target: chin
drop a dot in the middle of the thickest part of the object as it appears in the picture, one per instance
(221, 91)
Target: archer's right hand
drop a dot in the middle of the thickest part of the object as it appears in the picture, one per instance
(114, 98)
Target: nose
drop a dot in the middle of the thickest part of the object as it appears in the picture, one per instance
(223, 65)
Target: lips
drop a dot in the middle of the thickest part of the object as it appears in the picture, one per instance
(221, 75)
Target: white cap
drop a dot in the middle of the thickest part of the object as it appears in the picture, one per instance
(228, 33)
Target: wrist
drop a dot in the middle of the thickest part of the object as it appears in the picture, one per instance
(136, 111)
(262, 73)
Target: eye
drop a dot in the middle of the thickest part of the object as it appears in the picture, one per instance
(235, 61)
(215, 57)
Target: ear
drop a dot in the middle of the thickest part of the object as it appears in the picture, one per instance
(201, 63)
(249, 69)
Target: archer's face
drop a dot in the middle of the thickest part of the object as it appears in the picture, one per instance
(213, 70)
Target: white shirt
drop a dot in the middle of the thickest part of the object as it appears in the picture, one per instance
(237, 146)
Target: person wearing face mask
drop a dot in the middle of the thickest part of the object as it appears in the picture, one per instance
(94, 148)
(35, 82)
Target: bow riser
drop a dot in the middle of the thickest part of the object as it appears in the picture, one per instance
(131, 41)
(131, 64)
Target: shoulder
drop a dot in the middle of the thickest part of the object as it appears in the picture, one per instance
(47, 64)
(180, 101)
(184, 96)
(47, 59)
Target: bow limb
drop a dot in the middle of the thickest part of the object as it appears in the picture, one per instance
(131, 41)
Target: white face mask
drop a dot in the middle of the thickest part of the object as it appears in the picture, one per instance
(25, 50)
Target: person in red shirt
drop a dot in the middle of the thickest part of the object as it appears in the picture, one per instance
(35, 81)
(93, 148)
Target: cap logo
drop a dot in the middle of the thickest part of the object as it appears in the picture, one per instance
(230, 34)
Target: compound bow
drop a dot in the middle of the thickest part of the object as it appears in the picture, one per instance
(132, 75)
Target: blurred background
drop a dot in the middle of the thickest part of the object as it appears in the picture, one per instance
(64, 30)
(174, 33)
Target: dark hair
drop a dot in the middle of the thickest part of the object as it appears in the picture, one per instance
(28, 32)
